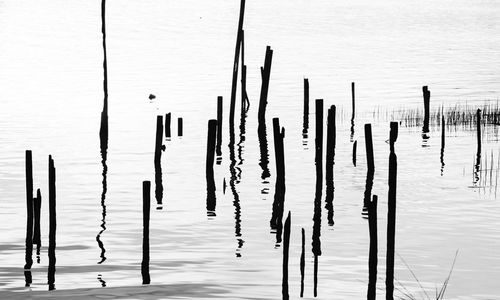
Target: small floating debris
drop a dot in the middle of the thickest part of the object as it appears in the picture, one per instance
(151, 96)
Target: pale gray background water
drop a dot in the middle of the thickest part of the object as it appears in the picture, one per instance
(182, 51)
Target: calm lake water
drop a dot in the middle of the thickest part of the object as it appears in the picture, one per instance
(182, 52)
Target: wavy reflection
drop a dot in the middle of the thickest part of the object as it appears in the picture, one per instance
(232, 185)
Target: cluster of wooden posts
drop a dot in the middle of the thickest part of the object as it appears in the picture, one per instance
(214, 142)
(33, 235)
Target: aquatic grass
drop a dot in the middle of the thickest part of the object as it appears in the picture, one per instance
(439, 294)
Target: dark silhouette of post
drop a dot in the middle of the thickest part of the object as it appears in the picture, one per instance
(391, 213)
(427, 98)
(36, 230)
(354, 150)
(305, 125)
(157, 160)
(236, 62)
(168, 121)
(245, 103)
(266, 74)
(146, 204)
(52, 225)
(372, 257)
(211, 136)
(316, 242)
(370, 166)
(330, 161)
(443, 135)
(302, 263)
(219, 125)
(279, 195)
(179, 127)
(29, 219)
(353, 116)
(286, 248)
(478, 124)
(103, 131)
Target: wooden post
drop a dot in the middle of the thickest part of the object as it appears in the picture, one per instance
(305, 125)
(443, 134)
(330, 161)
(219, 125)
(279, 196)
(36, 231)
(179, 127)
(52, 224)
(286, 248)
(266, 73)
(427, 97)
(103, 131)
(157, 161)
(354, 150)
(168, 118)
(478, 124)
(371, 166)
(353, 101)
(302, 263)
(211, 199)
(372, 259)
(146, 203)
(391, 213)
(316, 243)
(236, 62)
(29, 220)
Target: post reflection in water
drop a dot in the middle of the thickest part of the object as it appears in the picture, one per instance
(103, 205)
(232, 185)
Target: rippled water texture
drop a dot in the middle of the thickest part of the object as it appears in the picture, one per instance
(182, 52)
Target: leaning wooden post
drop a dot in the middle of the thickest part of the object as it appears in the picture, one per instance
(391, 213)
(52, 224)
(146, 204)
(236, 63)
(286, 249)
(372, 258)
(209, 168)
(29, 219)
(266, 73)
(427, 97)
